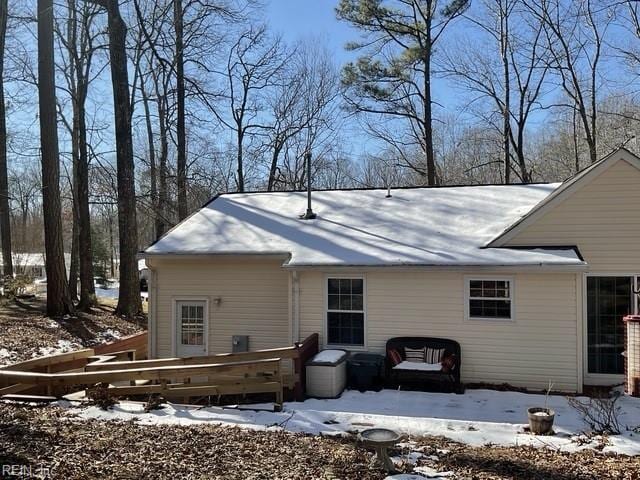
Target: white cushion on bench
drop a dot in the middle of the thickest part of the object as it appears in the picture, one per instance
(421, 366)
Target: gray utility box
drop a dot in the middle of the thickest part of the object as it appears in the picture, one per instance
(239, 343)
(327, 374)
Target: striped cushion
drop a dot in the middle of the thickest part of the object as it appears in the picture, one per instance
(394, 357)
(414, 354)
(433, 355)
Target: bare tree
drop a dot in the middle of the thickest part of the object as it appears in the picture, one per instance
(305, 99)
(78, 38)
(5, 213)
(161, 79)
(510, 72)
(24, 191)
(576, 35)
(393, 77)
(181, 135)
(58, 298)
(252, 69)
(129, 299)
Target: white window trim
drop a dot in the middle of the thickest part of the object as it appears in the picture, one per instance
(325, 292)
(174, 320)
(512, 298)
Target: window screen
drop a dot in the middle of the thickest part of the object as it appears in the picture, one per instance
(345, 311)
(490, 299)
(191, 316)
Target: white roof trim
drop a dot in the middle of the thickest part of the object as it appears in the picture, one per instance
(568, 188)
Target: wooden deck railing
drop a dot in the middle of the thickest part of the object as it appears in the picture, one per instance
(232, 373)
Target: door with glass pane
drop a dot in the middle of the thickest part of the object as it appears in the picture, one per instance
(609, 299)
(191, 325)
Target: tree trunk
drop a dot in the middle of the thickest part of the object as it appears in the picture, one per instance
(153, 170)
(181, 163)
(85, 250)
(526, 177)
(576, 154)
(129, 299)
(239, 145)
(82, 254)
(427, 120)
(5, 214)
(161, 222)
(112, 248)
(277, 148)
(58, 298)
(73, 266)
(24, 217)
(506, 108)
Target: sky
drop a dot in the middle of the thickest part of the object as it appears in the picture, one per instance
(296, 19)
(302, 19)
(299, 19)
(313, 19)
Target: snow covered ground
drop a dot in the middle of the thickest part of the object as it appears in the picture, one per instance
(478, 417)
(63, 346)
(7, 356)
(112, 291)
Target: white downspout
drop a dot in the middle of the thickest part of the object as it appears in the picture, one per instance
(296, 306)
(580, 327)
(152, 324)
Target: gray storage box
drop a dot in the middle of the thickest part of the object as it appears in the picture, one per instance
(327, 374)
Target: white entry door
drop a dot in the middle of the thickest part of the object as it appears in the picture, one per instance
(191, 328)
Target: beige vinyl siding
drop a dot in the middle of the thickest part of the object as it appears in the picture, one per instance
(601, 218)
(254, 300)
(541, 345)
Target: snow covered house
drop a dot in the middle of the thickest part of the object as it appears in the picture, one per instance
(31, 264)
(531, 280)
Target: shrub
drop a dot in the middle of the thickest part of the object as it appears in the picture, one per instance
(17, 285)
(600, 413)
(99, 396)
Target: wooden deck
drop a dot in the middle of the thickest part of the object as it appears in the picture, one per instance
(184, 378)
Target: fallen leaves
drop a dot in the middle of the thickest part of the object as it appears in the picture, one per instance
(25, 331)
(76, 449)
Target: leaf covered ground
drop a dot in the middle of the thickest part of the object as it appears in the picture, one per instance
(25, 330)
(75, 449)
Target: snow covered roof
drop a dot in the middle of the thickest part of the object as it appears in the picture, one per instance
(417, 226)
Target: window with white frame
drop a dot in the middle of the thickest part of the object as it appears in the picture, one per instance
(191, 318)
(490, 298)
(345, 311)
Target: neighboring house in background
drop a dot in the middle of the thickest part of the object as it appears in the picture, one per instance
(32, 264)
(531, 280)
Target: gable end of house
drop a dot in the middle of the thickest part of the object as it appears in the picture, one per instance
(562, 193)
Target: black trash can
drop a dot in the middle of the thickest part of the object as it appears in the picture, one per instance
(365, 371)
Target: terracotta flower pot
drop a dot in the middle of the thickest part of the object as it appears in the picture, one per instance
(541, 420)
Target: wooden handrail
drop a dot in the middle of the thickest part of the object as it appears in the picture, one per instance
(283, 353)
(50, 360)
(155, 373)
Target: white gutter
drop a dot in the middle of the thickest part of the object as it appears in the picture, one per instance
(573, 268)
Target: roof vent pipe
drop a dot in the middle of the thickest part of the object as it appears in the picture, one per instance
(309, 215)
(387, 180)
